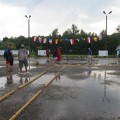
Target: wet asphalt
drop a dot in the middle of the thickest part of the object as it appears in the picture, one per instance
(82, 91)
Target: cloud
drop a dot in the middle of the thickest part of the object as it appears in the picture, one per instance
(48, 15)
(12, 20)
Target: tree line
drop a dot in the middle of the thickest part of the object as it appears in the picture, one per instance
(108, 42)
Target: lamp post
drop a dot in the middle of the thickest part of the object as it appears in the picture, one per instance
(106, 18)
(28, 17)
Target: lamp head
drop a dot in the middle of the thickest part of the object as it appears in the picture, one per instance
(26, 16)
(104, 12)
(110, 12)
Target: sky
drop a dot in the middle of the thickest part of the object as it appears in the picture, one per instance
(47, 15)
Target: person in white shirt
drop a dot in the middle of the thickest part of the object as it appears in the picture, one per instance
(23, 58)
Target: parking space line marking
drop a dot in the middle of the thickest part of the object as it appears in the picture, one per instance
(46, 85)
(26, 105)
(7, 95)
(34, 97)
(34, 78)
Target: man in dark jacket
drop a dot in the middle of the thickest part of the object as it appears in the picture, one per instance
(8, 56)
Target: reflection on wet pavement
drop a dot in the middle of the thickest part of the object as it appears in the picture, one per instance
(80, 93)
(14, 79)
(88, 97)
(10, 82)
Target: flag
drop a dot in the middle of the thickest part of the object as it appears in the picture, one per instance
(72, 41)
(56, 41)
(61, 40)
(44, 40)
(40, 39)
(95, 39)
(83, 39)
(50, 41)
(67, 40)
(77, 40)
(88, 40)
(34, 38)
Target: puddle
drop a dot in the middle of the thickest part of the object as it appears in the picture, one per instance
(42, 80)
(29, 67)
(90, 96)
(11, 82)
(2, 66)
(105, 61)
(82, 94)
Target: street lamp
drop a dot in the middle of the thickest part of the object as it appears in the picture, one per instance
(106, 18)
(28, 17)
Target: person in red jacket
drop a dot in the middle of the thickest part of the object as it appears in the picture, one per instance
(59, 54)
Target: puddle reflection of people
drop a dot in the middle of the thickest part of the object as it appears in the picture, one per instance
(89, 72)
(58, 77)
(9, 79)
(21, 79)
(105, 90)
(25, 80)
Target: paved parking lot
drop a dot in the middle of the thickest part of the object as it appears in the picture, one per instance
(81, 91)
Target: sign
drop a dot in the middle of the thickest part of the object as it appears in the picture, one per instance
(42, 52)
(14, 52)
(117, 52)
(103, 53)
(1, 52)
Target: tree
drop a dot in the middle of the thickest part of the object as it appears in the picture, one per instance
(67, 33)
(74, 30)
(118, 29)
(103, 33)
(55, 32)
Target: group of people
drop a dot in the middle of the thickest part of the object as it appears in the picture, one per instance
(22, 57)
(56, 54)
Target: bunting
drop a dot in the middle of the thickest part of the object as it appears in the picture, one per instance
(88, 40)
(71, 41)
(40, 39)
(56, 41)
(77, 40)
(50, 41)
(95, 39)
(44, 40)
(34, 38)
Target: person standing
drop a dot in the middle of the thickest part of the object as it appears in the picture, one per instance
(8, 56)
(118, 53)
(48, 54)
(89, 55)
(23, 58)
(55, 55)
(59, 54)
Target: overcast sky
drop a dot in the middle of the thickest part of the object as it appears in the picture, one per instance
(47, 15)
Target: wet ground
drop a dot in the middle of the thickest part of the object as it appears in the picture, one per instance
(82, 91)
